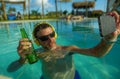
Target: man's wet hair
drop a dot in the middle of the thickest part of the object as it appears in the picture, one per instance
(39, 27)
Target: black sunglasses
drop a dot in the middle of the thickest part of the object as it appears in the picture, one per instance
(46, 37)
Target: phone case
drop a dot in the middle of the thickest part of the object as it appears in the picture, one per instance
(107, 25)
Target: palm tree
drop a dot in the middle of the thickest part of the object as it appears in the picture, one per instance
(42, 9)
(56, 5)
(11, 9)
(3, 9)
(29, 9)
(114, 4)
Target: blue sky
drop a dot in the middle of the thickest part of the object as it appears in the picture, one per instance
(50, 5)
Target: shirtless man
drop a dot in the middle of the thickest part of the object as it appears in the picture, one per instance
(57, 62)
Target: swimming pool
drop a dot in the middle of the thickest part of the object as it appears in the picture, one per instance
(81, 33)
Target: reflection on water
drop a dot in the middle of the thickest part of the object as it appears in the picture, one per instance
(85, 26)
(81, 33)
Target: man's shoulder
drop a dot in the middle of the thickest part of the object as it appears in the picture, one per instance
(69, 49)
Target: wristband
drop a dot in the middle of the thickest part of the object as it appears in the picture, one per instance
(110, 41)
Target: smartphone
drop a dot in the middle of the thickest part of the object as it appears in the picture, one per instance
(107, 24)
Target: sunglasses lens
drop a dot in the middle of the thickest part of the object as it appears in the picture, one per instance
(52, 34)
(45, 38)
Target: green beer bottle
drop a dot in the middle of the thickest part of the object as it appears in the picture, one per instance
(32, 56)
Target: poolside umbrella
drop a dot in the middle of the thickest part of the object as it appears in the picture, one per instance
(12, 2)
(84, 5)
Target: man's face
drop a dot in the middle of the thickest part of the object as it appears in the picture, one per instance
(46, 38)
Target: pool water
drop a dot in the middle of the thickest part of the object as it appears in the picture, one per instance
(84, 34)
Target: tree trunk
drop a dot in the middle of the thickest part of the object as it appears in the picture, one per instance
(29, 9)
(56, 8)
(42, 9)
(4, 12)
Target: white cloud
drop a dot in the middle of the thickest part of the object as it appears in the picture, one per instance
(46, 3)
(35, 3)
(15, 0)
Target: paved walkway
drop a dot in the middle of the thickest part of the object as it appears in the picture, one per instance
(21, 21)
